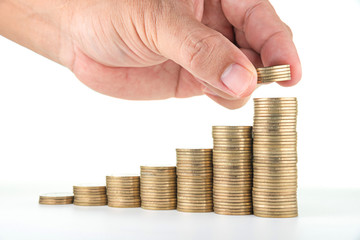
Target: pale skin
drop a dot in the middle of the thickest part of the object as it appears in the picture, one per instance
(157, 49)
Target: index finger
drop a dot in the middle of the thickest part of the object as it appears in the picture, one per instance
(264, 32)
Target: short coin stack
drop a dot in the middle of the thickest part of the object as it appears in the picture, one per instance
(275, 157)
(90, 195)
(274, 74)
(123, 191)
(158, 188)
(232, 169)
(56, 198)
(194, 180)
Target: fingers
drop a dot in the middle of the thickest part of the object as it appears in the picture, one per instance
(206, 54)
(225, 99)
(214, 18)
(259, 27)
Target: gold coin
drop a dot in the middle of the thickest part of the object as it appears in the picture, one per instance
(274, 79)
(194, 170)
(275, 187)
(259, 193)
(270, 215)
(230, 212)
(267, 73)
(272, 68)
(200, 166)
(190, 181)
(193, 161)
(232, 188)
(235, 192)
(195, 205)
(231, 167)
(230, 194)
(195, 210)
(156, 175)
(233, 199)
(274, 76)
(89, 204)
(187, 195)
(135, 205)
(271, 160)
(123, 178)
(234, 140)
(233, 208)
(194, 186)
(265, 182)
(193, 150)
(156, 203)
(158, 208)
(125, 187)
(158, 191)
(274, 200)
(281, 99)
(232, 175)
(158, 168)
(158, 179)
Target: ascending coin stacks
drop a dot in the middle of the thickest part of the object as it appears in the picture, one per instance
(275, 157)
(158, 187)
(232, 168)
(123, 191)
(90, 195)
(194, 180)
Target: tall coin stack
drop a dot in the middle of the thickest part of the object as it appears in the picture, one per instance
(275, 157)
(123, 191)
(194, 180)
(89, 195)
(232, 169)
(158, 188)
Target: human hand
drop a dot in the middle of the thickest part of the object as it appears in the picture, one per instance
(155, 49)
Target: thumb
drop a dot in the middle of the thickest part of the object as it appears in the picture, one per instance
(207, 55)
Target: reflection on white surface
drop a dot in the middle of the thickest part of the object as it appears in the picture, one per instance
(323, 214)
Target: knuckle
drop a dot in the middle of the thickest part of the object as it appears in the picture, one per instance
(288, 29)
(198, 49)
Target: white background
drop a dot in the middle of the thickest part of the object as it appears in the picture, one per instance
(54, 129)
(55, 132)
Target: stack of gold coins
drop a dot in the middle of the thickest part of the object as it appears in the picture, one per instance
(194, 180)
(274, 74)
(158, 188)
(232, 169)
(56, 198)
(275, 157)
(89, 195)
(123, 191)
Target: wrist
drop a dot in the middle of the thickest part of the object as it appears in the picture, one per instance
(37, 25)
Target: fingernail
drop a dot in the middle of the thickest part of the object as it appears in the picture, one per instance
(237, 78)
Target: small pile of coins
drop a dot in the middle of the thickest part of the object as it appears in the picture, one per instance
(158, 187)
(90, 195)
(194, 180)
(56, 198)
(275, 157)
(123, 191)
(274, 74)
(232, 168)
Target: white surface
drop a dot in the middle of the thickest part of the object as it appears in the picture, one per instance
(324, 214)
